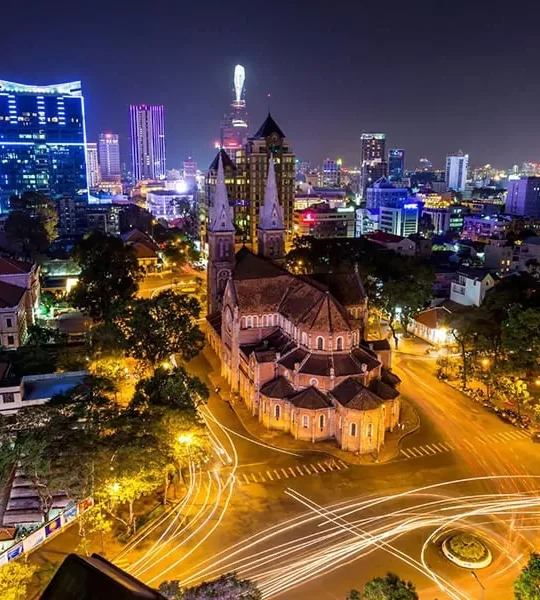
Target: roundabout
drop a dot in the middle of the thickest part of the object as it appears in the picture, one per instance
(467, 551)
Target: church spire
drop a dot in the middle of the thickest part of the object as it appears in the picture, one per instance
(221, 214)
(271, 212)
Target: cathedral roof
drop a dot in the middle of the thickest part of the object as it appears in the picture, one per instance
(346, 287)
(383, 390)
(253, 266)
(352, 394)
(278, 387)
(310, 399)
(268, 128)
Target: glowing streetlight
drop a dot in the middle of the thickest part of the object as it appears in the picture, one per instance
(485, 362)
(114, 487)
(537, 381)
(185, 438)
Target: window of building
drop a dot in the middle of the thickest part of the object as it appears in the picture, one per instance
(305, 421)
(8, 398)
(369, 430)
(313, 381)
(321, 422)
(304, 339)
(10, 340)
(249, 322)
(353, 429)
(339, 343)
(9, 323)
(277, 411)
(320, 343)
(255, 321)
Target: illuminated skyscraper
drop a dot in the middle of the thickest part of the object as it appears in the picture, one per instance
(234, 126)
(147, 126)
(372, 160)
(109, 158)
(92, 163)
(396, 164)
(456, 171)
(331, 173)
(42, 139)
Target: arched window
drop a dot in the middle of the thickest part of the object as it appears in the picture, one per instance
(321, 422)
(243, 323)
(314, 382)
(249, 322)
(304, 338)
(369, 430)
(339, 343)
(276, 323)
(277, 411)
(255, 321)
(353, 429)
(264, 321)
(305, 421)
(320, 343)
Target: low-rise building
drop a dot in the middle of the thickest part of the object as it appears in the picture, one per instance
(323, 221)
(527, 254)
(401, 245)
(483, 227)
(498, 256)
(471, 285)
(24, 275)
(432, 325)
(146, 250)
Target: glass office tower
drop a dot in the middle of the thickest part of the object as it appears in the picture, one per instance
(42, 139)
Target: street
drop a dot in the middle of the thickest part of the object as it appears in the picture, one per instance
(309, 525)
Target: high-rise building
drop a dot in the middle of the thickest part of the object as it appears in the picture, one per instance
(372, 159)
(246, 177)
(147, 126)
(331, 173)
(92, 164)
(523, 197)
(189, 172)
(109, 158)
(396, 164)
(385, 193)
(234, 126)
(456, 171)
(42, 139)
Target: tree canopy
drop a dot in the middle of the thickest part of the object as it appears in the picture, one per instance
(389, 587)
(226, 587)
(527, 585)
(109, 276)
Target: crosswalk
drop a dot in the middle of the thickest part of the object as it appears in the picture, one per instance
(482, 440)
(270, 475)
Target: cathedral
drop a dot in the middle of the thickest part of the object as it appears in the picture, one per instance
(293, 346)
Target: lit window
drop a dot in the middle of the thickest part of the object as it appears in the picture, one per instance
(305, 421)
(353, 429)
(277, 411)
(321, 422)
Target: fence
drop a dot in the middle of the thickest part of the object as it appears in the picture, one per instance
(46, 531)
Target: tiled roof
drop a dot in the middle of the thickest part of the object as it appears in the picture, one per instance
(366, 357)
(377, 345)
(277, 341)
(352, 394)
(214, 320)
(142, 250)
(268, 128)
(383, 390)
(382, 237)
(252, 266)
(310, 399)
(346, 287)
(134, 236)
(433, 318)
(10, 266)
(10, 295)
(390, 378)
(296, 356)
(277, 388)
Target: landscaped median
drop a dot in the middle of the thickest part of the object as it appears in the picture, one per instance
(467, 551)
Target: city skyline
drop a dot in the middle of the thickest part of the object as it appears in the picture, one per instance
(429, 99)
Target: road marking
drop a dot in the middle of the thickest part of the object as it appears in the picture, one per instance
(497, 437)
(299, 470)
(423, 450)
(314, 467)
(434, 448)
(415, 452)
(481, 440)
(269, 475)
(450, 446)
(330, 465)
(263, 480)
(307, 470)
(507, 435)
(471, 447)
(404, 452)
(321, 467)
(285, 473)
(440, 447)
(246, 478)
(345, 465)
(292, 472)
(277, 474)
(253, 477)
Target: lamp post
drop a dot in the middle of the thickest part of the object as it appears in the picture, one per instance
(486, 364)
(475, 576)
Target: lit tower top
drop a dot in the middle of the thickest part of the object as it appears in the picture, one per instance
(239, 87)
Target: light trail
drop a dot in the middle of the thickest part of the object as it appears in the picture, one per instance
(346, 532)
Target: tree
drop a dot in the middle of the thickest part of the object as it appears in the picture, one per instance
(109, 276)
(157, 327)
(520, 338)
(32, 223)
(15, 578)
(527, 585)
(40, 336)
(92, 522)
(226, 587)
(390, 587)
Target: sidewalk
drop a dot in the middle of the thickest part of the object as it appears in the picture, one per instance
(283, 441)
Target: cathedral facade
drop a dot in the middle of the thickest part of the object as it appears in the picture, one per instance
(293, 347)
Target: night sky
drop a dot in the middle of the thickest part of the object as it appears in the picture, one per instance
(436, 77)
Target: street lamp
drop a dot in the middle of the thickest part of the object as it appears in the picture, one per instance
(486, 364)
(185, 438)
(475, 576)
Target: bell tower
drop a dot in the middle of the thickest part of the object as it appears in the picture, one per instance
(221, 232)
(270, 230)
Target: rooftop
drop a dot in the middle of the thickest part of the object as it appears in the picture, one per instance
(10, 295)
(44, 387)
(10, 266)
(268, 128)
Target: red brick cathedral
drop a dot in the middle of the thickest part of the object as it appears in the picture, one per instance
(293, 346)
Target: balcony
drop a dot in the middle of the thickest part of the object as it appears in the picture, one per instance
(458, 289)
